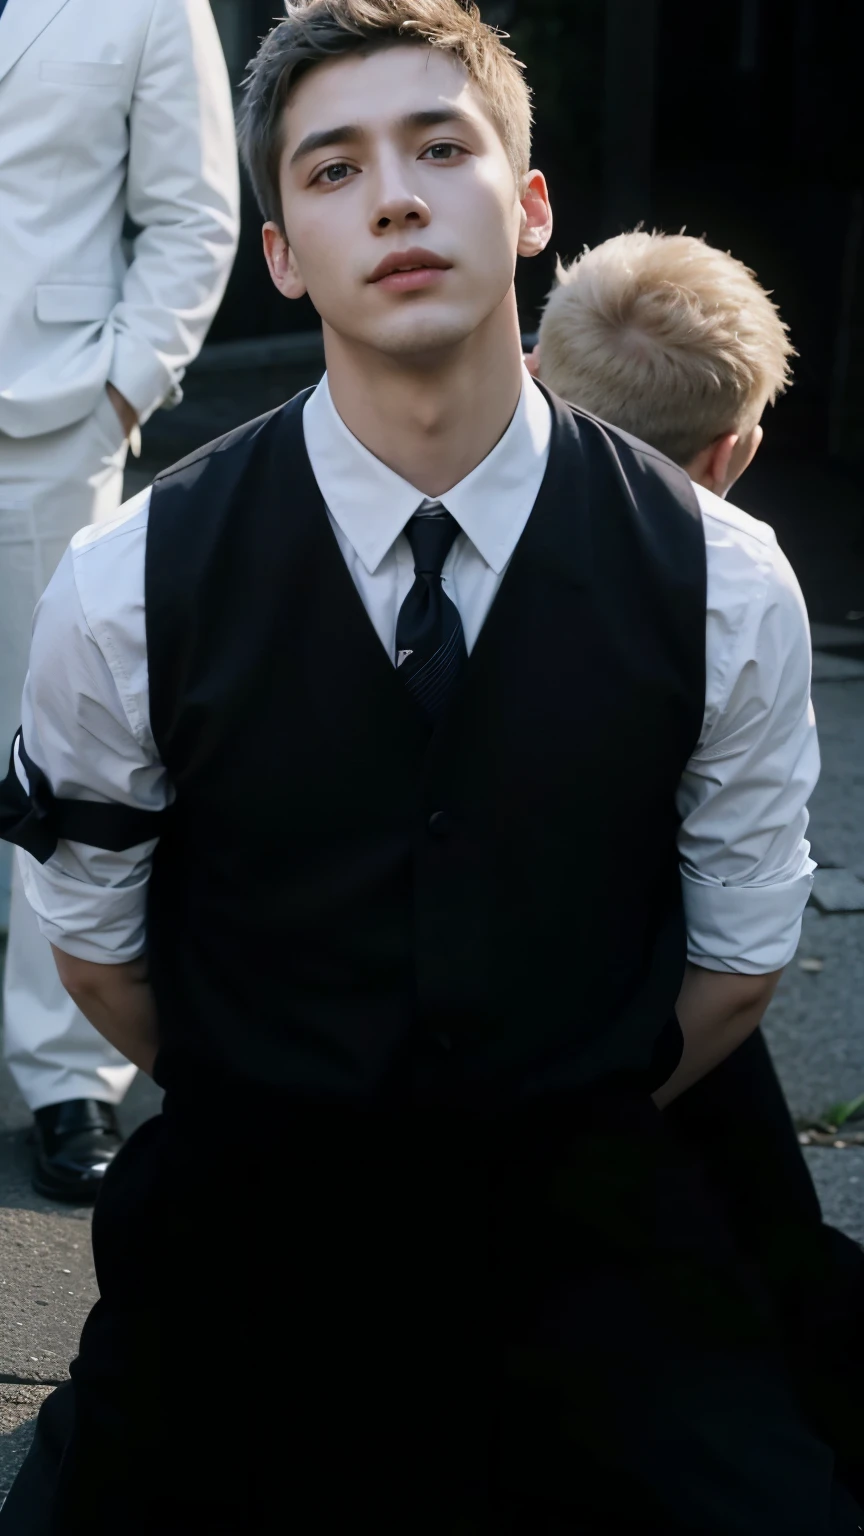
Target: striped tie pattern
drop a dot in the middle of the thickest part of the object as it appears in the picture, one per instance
(430, 643)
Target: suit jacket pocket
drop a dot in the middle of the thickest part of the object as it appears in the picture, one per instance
(70, 303)
(80, 72)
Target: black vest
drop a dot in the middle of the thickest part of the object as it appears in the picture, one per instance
(345, 904)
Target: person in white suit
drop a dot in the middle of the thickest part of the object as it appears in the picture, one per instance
(106, 110)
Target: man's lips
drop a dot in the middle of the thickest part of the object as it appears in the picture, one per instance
(409, 269)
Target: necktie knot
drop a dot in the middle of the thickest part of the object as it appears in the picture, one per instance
(431, 536)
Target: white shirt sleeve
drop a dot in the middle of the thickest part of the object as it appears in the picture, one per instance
(745, 864)
(85, 723)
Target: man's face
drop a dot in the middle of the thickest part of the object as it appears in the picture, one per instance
(392, 158)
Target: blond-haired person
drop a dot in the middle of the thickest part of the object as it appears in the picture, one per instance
(672, 340)
(391, 704)
(678, 343)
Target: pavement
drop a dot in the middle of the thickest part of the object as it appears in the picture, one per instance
(815, 1025)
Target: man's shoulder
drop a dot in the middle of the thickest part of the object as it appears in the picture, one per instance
(726, 526)
(632, 451)
(238, 443)
(625, 440)
(107, 541)
(729, 528)
(749, 576)
(106, 568)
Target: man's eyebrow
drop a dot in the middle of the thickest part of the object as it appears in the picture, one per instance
(437, 117)
(434, 117)
(325, 140)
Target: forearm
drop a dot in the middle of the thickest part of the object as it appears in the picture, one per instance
(717, 1012)
(119, 1003)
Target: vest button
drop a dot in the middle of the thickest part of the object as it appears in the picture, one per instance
(439, 824)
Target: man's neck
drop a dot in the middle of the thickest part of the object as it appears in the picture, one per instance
(431, 420)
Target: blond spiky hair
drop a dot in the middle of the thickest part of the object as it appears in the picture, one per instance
(667, 337)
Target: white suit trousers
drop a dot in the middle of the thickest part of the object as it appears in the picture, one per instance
(50, 486)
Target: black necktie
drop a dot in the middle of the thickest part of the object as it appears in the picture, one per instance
(430, 644)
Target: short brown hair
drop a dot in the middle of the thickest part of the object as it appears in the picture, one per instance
(317, 31)
(667, 337)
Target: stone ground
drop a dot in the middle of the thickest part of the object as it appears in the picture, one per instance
(815, 1025)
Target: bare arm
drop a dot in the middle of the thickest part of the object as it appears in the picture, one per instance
(717, 1012)
(118, 1001)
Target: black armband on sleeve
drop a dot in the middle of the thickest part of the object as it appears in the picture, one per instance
(38, 821)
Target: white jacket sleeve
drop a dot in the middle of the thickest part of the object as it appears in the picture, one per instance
(183, 192)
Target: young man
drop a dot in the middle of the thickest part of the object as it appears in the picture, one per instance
(397, 660)
(677, 343)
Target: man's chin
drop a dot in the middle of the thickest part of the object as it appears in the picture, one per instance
(421, 336)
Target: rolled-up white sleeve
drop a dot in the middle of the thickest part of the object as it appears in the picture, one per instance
(85, 724)
(746, 869)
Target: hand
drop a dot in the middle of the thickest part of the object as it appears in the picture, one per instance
(126, 412)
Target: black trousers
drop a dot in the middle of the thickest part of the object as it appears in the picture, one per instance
(737, 1122)
(532, 1328)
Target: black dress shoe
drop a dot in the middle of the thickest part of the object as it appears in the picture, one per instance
(75, 1142)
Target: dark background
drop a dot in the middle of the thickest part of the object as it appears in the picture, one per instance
(737, 119)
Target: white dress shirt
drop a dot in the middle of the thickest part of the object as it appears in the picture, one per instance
(745, 865)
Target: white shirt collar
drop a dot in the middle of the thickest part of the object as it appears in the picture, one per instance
(371, 504)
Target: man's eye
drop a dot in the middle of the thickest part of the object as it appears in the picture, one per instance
(444, 151)
(333, 174)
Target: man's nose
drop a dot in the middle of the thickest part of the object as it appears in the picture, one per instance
(397, 205)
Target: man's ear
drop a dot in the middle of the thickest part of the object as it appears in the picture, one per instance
(743, 455)
(724, 461)
(712, 465)
(730, 456)
(282, 262)
(720, 462)
(536, 230)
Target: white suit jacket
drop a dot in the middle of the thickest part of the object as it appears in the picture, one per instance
(109, 107)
